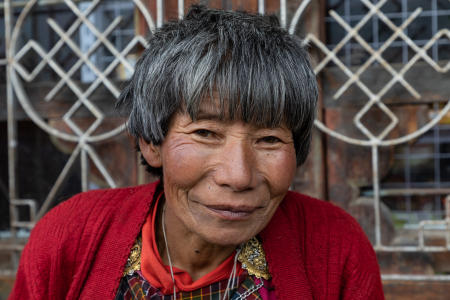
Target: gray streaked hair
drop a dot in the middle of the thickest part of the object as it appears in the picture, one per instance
(259, 72)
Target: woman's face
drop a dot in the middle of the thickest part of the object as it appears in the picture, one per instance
(223, 180)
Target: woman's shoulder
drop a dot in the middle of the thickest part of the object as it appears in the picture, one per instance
(94, 204)
(89, 216)
(90, 233)
(317, 214)
(305, 203)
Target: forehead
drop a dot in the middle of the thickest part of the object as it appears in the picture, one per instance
(215, 107)
(212, 111)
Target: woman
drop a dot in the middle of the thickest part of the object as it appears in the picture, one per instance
(222, 105)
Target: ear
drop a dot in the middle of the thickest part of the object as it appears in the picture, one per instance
(151, 153)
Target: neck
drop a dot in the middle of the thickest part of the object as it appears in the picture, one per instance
(188, 251)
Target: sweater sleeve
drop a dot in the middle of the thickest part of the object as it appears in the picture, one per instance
(39, 274)
(81, 242)
(22, 288)
(361, 275)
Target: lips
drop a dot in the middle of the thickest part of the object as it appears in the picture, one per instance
(229, 212)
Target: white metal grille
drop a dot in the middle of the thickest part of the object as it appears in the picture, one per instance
(352, 38)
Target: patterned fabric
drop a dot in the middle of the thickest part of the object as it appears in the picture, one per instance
(248, 289)
(135, 287)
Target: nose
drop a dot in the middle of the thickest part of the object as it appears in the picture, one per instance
(236, 168)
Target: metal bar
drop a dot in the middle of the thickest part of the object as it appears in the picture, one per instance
(79, 63)
(180, 9)
(402, 277)
(159, 13)
(7, 273)
(426, 155)
(331, 55)
(47, 56)
(411, 249)
(84, 170)
(72, 85)
(96, 32)
(12, 132)
(348, 48)
(11, 245)
(411, 191)
(261, 7)
(404, 46)
(25, 103)
(24, 224)
(39, 2)
(395, 44)
(447, 220)
(11, 121)
(396, 15)
(91, 89)
(375, 32)
(297, 15)
(90, 105)
(436, 150)
(421, 236)
(283, 13)
(376, 55)
(420, 52)
(51, 195)
(73, 46)
(392, 142)
(145, 12)
(28, 202)
(376, 194)
(98, 163)
(434, 27)
(407, 172)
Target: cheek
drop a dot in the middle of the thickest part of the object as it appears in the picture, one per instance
(281, 168)
(181, 164)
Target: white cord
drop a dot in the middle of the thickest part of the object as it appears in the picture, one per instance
(232, 279)
(168, 254)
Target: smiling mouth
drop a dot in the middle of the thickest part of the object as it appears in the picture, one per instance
(233, 213)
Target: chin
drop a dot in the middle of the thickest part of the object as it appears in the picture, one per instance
(229, 238)
(228, 242)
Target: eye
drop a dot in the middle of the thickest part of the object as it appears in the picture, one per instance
(270, 139)
(204, 133)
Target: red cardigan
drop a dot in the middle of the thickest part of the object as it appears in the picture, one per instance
(314, 249)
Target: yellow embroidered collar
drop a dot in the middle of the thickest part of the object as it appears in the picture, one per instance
(252, 258)
(134, 259)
